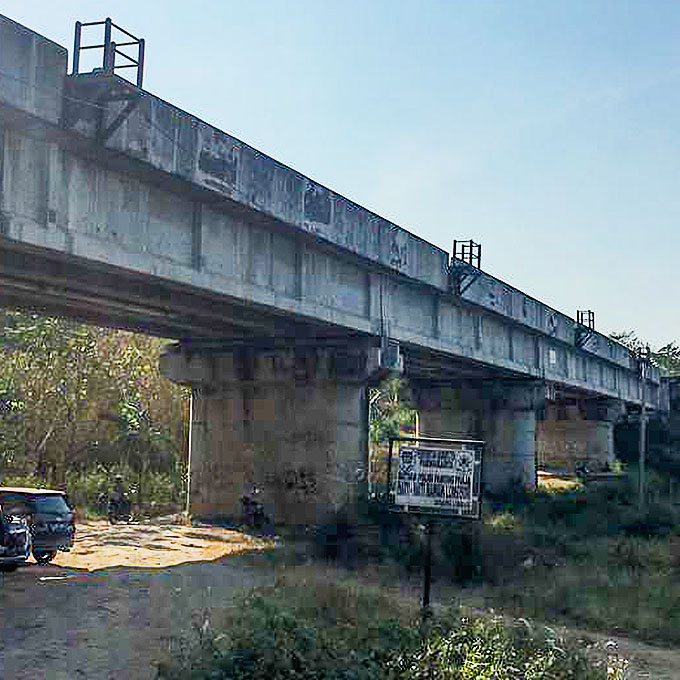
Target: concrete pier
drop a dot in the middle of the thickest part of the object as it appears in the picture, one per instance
(291, 423)
(501, 413)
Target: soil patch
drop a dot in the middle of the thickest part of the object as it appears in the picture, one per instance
(100, 545)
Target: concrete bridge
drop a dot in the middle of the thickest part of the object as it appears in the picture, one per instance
(286, 299)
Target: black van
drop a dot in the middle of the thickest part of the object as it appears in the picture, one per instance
(50, 518)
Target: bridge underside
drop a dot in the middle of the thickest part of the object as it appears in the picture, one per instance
(64, 285)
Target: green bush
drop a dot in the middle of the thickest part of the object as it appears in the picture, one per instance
(491, 649)
(331, 633)
(306, 630)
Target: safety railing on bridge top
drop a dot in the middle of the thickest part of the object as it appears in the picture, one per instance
(110, 49)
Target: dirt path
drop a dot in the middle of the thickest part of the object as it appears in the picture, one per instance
(66, 621)
(102, 546)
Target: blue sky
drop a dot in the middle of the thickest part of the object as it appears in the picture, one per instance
(549, 131)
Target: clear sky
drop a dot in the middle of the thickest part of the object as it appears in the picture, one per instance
(547, 130)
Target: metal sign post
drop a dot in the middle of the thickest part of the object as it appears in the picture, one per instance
(434, 478)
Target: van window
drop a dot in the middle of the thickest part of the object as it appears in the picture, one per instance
(50, 505)
(15, 504)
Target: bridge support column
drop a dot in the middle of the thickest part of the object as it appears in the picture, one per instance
(291, 423)
(509, 430)
(501, 413)
(575, 431)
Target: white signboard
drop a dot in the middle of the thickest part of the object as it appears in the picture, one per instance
(440, 480)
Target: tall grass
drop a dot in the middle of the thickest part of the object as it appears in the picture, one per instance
(589, 557)
(318, 625)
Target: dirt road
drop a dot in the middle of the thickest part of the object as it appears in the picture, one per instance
(118, 603)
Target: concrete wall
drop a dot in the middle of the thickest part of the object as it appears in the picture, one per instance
(32, 71)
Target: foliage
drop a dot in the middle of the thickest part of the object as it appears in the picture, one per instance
(73, 396)
(341, 630)
(660, 454)
(667, 358)
(389, 407)
(481, 648)
(589, 557)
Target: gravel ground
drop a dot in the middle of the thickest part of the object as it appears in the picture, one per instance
(115, 610)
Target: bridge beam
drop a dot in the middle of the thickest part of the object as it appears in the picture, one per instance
(292, 423)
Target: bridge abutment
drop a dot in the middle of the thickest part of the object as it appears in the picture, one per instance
(291, 423)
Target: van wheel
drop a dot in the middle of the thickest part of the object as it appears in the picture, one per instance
(44, 556)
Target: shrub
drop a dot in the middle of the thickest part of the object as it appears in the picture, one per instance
(490, 649)
(342, 632)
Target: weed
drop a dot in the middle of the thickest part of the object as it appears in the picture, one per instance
(309, 626)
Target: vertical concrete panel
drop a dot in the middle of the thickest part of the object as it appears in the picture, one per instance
(285, 259)
(220, 242)
(170, 227)
(123, 203)
(334, 283)
(450, 322)
(25, 182)
(410, 308)
(257, 248)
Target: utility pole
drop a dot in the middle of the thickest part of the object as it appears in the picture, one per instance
(642, 446)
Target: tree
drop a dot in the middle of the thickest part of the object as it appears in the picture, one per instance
(389, 407)
(663, 452)
(61, 382)
(667, 358)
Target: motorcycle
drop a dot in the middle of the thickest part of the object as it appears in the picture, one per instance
(119, 508)
(253, 511)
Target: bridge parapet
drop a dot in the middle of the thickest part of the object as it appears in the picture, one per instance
(32, 71)
(175, 142)
(178, 143)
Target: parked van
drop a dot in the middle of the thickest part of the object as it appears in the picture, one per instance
(49, 516)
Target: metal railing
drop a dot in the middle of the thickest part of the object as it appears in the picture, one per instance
(111, 49)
